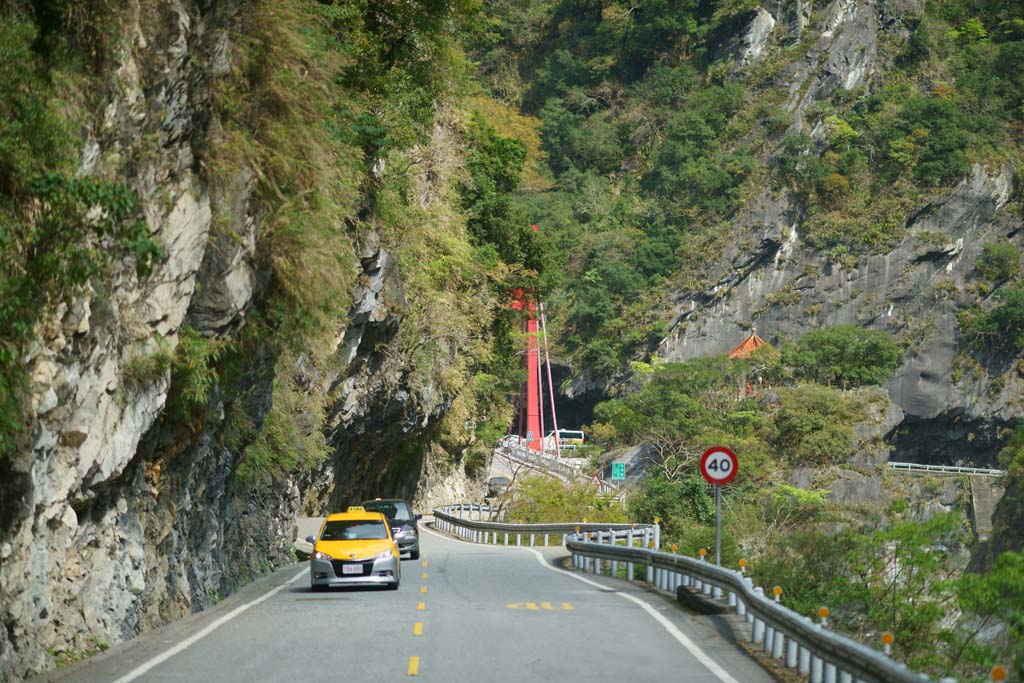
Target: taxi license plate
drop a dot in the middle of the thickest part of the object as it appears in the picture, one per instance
(352, 569)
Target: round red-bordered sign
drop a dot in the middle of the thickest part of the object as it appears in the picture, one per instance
(719, 465)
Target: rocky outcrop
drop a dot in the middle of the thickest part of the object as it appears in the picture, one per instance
(914, 291)
(123, 515)
(958, 404)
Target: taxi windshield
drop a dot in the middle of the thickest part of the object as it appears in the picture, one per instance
(354, 530)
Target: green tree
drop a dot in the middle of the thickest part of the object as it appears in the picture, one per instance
(844, 354)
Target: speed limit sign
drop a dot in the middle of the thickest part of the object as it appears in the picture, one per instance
(719, 465)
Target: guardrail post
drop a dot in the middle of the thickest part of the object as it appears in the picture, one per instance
(531, 541)
(629, 565)
(506, 538)
(830, 672)
(817, 666)
(769, 638)
(803, 665)
(791, 652)
(778, 643)
(545, 540)
(757, 632)
(845, 677)
(519, 538)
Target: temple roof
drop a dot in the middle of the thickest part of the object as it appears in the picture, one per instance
(747, 346)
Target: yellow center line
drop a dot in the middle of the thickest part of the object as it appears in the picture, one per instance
(414, 666)
(421, 606)
(424, 564)
(424, 577)
(417, 628)
(423, 589)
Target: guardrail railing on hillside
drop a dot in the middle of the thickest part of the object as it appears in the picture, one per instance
(566, 467)
(947, 469)
(811, 649)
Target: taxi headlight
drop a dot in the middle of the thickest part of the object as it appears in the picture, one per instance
(384, 555)
(317, 555)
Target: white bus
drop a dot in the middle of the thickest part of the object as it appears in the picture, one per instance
(568, 440)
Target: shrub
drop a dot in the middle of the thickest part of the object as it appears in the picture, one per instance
(815, 425)
(542, 499)
(1001, 327)
(998, 261)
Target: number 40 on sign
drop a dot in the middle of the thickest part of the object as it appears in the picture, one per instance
(719, 465)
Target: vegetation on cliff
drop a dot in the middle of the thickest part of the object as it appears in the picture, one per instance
(655, 141)
(57, 230)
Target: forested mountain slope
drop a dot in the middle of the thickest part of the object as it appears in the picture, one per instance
(784, 165)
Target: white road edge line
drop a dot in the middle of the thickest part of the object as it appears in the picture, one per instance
(673, 630)
(191, 640)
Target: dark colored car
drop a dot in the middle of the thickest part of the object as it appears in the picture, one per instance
(402, 522)
(497, 485)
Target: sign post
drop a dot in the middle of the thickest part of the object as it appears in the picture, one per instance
(718, 466)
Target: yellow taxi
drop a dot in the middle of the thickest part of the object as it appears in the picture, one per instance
(354, 548)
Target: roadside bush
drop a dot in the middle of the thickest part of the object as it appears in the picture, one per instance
(543, 499)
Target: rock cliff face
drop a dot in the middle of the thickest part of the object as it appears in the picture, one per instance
(118, 520)
(958, 404)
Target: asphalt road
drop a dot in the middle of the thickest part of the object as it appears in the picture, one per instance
(464, 612)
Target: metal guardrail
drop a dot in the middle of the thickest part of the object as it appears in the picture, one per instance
(948, 469)
(566, 467)
(459, 521)
(811, 649)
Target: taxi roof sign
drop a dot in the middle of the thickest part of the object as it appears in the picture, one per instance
(356, 508)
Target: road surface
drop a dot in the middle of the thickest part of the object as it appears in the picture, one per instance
(464, 612)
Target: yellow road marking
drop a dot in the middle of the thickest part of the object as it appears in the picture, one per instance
(423, 589)
(421, 606)
(522, 605)
(424, 576)
(424, 564)
(417, 628)
(533, 606)
(414, 666)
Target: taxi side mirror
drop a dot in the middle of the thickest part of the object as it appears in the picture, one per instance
(419, 517)
(311, 539)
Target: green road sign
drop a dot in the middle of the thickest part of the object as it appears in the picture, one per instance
(618, 471)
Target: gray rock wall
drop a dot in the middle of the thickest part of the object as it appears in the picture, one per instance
(119, 519)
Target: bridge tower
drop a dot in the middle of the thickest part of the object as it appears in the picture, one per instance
(529, 393)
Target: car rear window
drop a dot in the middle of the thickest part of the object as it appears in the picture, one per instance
(354, 530)
(398, 512)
